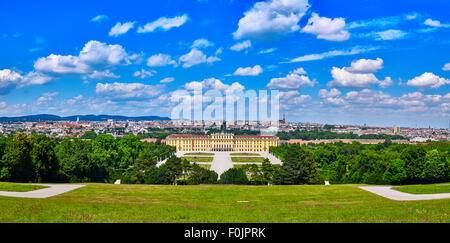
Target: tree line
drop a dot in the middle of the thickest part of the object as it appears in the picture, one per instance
(325, 134)
(382, 163)
(39, 158)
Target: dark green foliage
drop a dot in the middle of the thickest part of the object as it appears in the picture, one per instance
(383, 163)
(44, 159)
(17, 159)
(89, 135)
(298, 167)
(234, 176)
(199, 175)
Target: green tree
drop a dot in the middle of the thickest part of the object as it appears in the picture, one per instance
(395, 173)
(17, 159)
(298, 167)
(44, 159)
(234, 176)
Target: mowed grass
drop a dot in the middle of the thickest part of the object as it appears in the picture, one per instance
(198, 159)
(14, 187)
(424, 189)
(201, 204)
(247, 159)
(244, 154)
(199, 153)
(206, 166)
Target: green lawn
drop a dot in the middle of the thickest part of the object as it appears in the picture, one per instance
(247, 159)
(202, 204)
(14, 187)
(198, 159)
(244, 154)
(199, 153)
(244, 165)
(206, 166)
(424, 189)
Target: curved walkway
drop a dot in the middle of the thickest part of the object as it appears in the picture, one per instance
(51, 191)
(388, 192)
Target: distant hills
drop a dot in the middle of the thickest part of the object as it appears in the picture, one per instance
(47, 117)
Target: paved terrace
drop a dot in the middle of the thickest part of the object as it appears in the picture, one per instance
(222, 160)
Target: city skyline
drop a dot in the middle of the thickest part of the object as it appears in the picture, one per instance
(383, 65)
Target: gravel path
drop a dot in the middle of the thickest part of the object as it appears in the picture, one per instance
(388, 192)
(52, 190)
(221, 162)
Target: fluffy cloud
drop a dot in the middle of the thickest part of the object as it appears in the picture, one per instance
(365, 66)
(435, 23)
(201, 43)
(94, 55)
(271, 19)
(249, 71)
(214, 84)
(323, 93)
(344, 78)
(8, 80)
(326, 28)
(291, 81)
(241, 46)
(196, 57)
(359, 74)
(160, 60)
(127, 90)
(427, 81)
(164, 24)
(101, 75)
(144, 73)
(298, 71)
(46, 97)
(120, 29)
(446, 67)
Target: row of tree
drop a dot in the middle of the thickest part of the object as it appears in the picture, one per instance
(326, 134)
(383, 163)
(39, 158)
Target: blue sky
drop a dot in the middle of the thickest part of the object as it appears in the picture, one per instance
(348, 62)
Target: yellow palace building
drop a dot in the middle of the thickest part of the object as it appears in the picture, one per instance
(222, 142)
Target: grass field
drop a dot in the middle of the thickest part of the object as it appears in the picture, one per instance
(425, 189)
(206, 166)
(244, 154)
(13, 187)
(247, 159)
(199, 154)
(151, 203)
(198, 159)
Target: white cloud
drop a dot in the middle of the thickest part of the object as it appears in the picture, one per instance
(8, 80)
(144, 73)
(329, 54)
(323, 93)
(164, 24)
(94, 55)
(101, 75)
(388, 34)
(427, 81)
(167, 80)
(365, 66)
(386, 82)
(383, 22)
(344, 78)
(241, 45)
(270, 50)
(249, 71)
(201, 43)
(99, 18)
(291, 81)
(213, 84)
(271, 19)
(160, 60)
(46, 97)
(196, 57)
(120, 29)
(435, 23)
(446, 67)
(326, 28)
(298, 71)
(127, 90)
(34, 78)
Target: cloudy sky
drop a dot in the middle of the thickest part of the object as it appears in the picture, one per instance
(347, 62)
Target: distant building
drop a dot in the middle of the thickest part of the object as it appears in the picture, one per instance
(222, 142)
(396, 129)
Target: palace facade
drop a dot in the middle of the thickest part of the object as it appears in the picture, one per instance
(222, 142)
